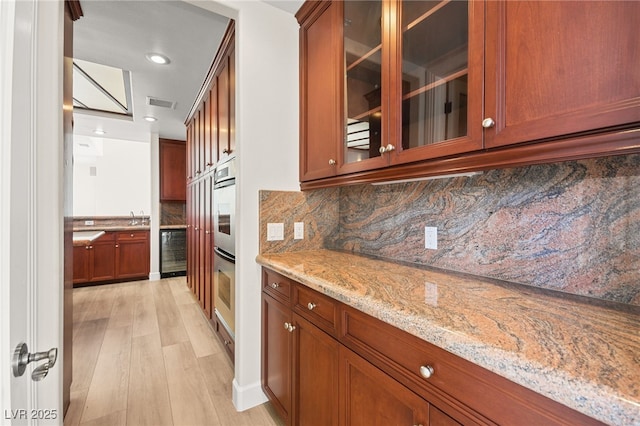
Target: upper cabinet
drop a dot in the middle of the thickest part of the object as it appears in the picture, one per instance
(396, 89)
(173, 182)
(561, 68)
(211, 121)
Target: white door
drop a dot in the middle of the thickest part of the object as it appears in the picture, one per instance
(31, 224)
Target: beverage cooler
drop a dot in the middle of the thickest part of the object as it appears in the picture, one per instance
(173, 252)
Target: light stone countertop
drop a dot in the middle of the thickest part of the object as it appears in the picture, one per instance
(581, 352)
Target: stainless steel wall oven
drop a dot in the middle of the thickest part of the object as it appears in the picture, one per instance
(224, 236)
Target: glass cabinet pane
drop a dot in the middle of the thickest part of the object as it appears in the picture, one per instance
(434, 71)
(363, 79)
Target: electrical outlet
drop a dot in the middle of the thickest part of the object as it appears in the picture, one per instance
(431, 237)
(275, 231)
(298, 230)
(88, 222)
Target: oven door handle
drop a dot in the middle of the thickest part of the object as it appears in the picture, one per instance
(223, 254)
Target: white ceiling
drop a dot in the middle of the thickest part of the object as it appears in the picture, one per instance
(119, 33)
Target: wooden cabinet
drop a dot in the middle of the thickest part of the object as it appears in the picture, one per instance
(327, 363)
(115, 256)
(374, 398)
(395, 89)
(81, 264)
(299, 360)
(132, 250)
(173, 169)
(320, 123)
(579, 73)
(210, 138)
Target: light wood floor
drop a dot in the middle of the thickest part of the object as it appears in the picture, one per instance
(144, 354)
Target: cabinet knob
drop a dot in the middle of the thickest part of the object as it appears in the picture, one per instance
(275, 285)
(311, 305)
(207, 232)
(131, 235)
(286, 325)
(426, 371)
(387, 148)
(488, 123)
(90, 247)
(332, 162)
(117, 246)
(87, 247)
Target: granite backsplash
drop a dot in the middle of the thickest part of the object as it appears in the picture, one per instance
(571, 226)
(173, 214)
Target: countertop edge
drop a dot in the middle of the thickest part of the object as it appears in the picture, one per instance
(595, 400)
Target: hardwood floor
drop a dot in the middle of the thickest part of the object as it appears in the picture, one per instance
(144, 354)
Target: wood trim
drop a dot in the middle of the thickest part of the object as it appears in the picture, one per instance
(618, 142)
(228, 43)
(75, 9)
(308, 8)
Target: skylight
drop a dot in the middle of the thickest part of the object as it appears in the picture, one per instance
(100, 89)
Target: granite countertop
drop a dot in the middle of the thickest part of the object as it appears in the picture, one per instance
(111, 228)
(173, 226)
(86, 237)
(581, 352)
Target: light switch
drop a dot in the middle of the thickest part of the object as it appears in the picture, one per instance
(298, 230)
(431, 237)
(275, 231)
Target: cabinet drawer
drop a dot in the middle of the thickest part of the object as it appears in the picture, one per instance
(276, 285)
(132, 235)
(321, 310)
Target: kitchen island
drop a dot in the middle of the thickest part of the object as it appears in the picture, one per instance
(580, 352)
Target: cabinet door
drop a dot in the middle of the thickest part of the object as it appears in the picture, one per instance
(224, 147)
(436, 78)
(373, 398)
(173, 170)
(133, 255)
(276, 355)
(560, 68)
(202, 240)
(232, 100)
(320, 122)
(315, 387)
(365, 72)
(208, 248)
(80, 264)
(103, 260)
(213, 120)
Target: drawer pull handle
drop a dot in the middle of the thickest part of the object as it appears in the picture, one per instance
(426, 371)
(275, 285)
(289, 327)
(311, 305)
(286, 325)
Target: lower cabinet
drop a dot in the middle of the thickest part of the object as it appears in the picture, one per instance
(114, 256)
(300, 367)
(133, 254)
(373, 398)
(325, 363)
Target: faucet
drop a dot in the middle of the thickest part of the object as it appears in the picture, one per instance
(144, 220)
(133, 220)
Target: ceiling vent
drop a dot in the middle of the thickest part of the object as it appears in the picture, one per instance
(160, 103)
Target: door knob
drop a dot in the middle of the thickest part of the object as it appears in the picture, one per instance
(22, 357)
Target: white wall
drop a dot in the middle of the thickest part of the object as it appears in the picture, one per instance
(267, 152)
(122, 181)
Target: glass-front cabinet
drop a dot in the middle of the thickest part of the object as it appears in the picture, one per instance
(412, 81)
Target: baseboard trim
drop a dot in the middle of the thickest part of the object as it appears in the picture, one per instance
(248, 396)
(154, 276)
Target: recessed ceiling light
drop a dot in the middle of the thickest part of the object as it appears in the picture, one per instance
(157, 58)
(150, 118)
(99, 132)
